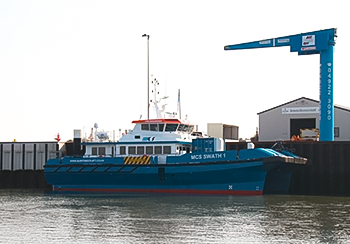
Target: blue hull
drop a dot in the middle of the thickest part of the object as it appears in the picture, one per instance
(242, 177)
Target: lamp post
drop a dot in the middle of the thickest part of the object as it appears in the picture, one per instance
(144, 35)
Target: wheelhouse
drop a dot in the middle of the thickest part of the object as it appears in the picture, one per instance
(149, 137)
(164, 125)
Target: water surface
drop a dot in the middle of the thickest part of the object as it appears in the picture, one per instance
(37, 217)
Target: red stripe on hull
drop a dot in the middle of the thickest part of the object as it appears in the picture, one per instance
(164, 191)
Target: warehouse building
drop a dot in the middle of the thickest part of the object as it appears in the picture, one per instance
(300, 118)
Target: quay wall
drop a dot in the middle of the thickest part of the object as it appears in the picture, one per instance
(327, 171)
(21, 164)
(23, 179)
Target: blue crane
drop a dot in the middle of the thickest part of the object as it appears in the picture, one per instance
(317, 42)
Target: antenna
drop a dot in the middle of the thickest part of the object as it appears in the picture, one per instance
(95, 126)
(179, 104)
(159, 111)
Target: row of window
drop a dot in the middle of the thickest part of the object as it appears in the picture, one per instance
(152, 127)
(145, 150)
(168, 127)
(100, 151)
(139, 150)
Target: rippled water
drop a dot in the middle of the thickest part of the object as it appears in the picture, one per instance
(35, 217)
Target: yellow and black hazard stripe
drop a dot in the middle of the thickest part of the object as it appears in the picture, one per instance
(137, 160)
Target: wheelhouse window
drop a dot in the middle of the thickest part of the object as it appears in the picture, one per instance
(94, 150)
(186, 128)
(140, 150)
(161, 127)
(144, 126)
(189, 128)
(122, 150)
(153, 127)
(167, 149)
(132, 150)
(149, 150)
(171, 127)
(182, 127)
(158, 149)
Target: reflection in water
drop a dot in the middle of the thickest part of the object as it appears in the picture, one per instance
(318, 219)
(32, 217)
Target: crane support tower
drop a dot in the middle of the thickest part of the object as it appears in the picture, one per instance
(317, 42)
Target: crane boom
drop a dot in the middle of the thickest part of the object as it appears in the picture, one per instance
(317, 42)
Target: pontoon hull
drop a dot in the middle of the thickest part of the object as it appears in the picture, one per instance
(214, 178)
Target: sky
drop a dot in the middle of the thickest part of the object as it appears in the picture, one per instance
(66, 65)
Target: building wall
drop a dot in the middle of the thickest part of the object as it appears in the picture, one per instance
(342, 120)
(215, 129)
(275, 125)
(223, 131)
(231, 132)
